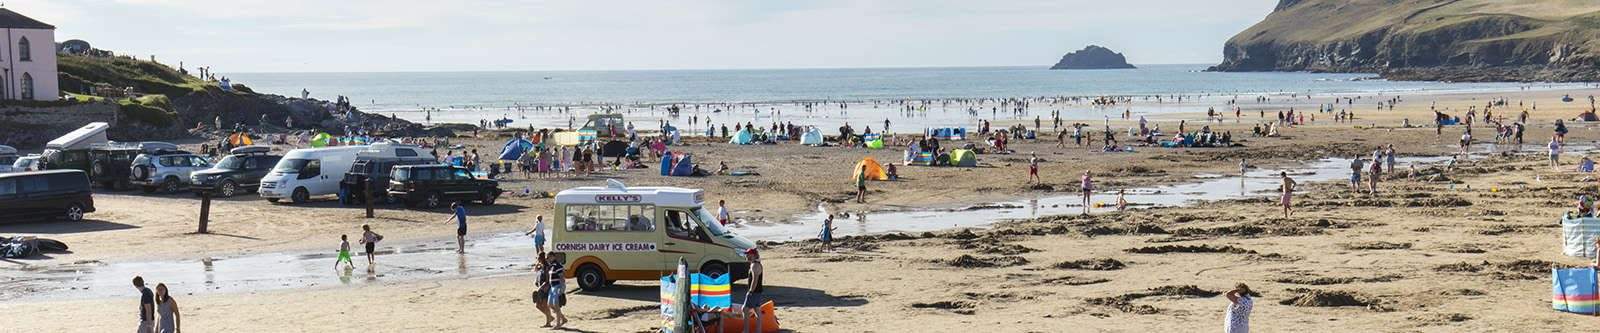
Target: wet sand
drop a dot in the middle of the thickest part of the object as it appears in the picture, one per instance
(1468, 254)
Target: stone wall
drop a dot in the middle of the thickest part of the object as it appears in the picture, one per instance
(28, 128)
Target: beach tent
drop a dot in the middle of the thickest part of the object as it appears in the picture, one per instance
(677, 167)
(1573, 290)
(614, 148)
(963, 158)
(321, 140)
(812, 137)
(874, 141)
(948, 133)
(515, 148)
(1578, 235)
(874, 169)
(741, 138)
(239, 139)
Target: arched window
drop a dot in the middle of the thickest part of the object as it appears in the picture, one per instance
(24, 51)
(27, 86)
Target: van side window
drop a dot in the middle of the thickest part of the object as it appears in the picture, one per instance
(199, 161)
(405, 153)
(611, 218)
(680, 225)
(312, 169)
(8, 187)
(252, 163)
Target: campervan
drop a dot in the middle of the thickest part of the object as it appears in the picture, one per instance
(611, 233)
(309, 172)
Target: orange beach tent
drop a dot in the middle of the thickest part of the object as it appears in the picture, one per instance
(874, 170)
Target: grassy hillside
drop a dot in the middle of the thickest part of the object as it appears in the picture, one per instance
(79, 74)
(1545, 36)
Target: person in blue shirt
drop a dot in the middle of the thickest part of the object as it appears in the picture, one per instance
(460, 216)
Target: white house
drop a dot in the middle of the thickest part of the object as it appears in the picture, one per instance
(28, 59)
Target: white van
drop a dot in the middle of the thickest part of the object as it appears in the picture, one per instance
(309, 172)
(611, 233)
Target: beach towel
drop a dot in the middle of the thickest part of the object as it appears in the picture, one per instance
(1578, 236)
(1573, 290)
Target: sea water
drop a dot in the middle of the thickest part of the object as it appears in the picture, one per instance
(768, 95)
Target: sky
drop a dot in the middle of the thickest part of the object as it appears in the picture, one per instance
(506, 35)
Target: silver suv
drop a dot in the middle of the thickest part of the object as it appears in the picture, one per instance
(166, 172)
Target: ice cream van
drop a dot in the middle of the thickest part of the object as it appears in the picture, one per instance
(611, 233)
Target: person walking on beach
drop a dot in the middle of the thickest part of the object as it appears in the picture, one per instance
(1287, 186)
(170, 319)
(1355, 173)
(1122, 200)
(344, 252)
(538, 236)
(1033, 168)
(1466, 140)
(861, 184)
(1239, 306)
(1087, 187)
(557, 294)
(541, 289)
(1377, 171)
(147, 305)
(370, 240)
(460, 216)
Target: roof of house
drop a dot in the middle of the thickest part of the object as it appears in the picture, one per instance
(14, 20)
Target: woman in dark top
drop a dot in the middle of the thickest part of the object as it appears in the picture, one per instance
(557, 296)
(541, 291)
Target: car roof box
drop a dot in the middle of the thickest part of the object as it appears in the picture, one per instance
(157, 146)
(92, 133)
(251, 150)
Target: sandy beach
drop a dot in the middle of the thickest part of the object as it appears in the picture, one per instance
(1469, 250)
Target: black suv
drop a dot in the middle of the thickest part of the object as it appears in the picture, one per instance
(433, 185)
(241, 169)
(106, 165)
(378, 171)
(63, 193)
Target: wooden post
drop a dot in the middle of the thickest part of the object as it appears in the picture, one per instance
(369, 196)
(205, 210)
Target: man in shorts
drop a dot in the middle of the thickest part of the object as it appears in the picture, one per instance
(460, 216)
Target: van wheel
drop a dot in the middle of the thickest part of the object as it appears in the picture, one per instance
(432, 201)
(300, 195)
(228, 188)
(75, 212)
(170, 185)
(591, 278)
(488, 198)
(714, 269)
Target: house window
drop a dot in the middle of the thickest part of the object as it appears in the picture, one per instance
(24, 52)
(27, 86)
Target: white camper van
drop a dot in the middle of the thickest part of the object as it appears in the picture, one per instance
(310, 172)
(617, 232)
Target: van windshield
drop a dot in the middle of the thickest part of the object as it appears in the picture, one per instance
(291, 165)
(710, 222)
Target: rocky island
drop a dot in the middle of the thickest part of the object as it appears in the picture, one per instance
(1092, 57)
(1450, 40)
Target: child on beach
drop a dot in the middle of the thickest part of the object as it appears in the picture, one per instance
(344, 252)
(538, 235)
(370, 240)
(1122, 201)
(1087, 186)
(861, 185)
(460, 216)
(827, 232)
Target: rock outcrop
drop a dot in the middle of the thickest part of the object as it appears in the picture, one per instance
(1092, 57)
(1445, 40)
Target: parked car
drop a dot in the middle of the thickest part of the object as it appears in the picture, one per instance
(32, 162)
(309, 172)
(57, 193)
(241, 169)
(431, 186)
(8, 156)
(375, 165)
(166, 171)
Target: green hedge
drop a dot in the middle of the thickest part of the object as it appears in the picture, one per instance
(154, 113)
